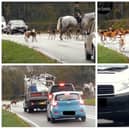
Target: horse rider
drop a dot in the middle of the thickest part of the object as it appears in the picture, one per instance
(77, 12)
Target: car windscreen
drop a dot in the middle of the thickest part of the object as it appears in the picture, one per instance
(117, 68)
(67, 96)
(35, 88)
(62, 88)
(17, 22)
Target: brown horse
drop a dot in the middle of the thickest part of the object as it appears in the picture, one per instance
(32, 33)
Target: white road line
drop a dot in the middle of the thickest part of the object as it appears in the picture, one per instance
(27, 120)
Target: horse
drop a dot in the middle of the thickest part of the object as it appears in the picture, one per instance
(30, 33)
(66, 22)
(88, 23)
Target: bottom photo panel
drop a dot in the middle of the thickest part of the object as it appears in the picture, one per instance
(48, 96)
(113, 95)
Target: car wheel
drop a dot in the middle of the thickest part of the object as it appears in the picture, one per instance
(48, 118)
(25, 109)
(53, 120)
(11, 32)
(88, 56)
(83, 119)
(94, 56)
(29, 110)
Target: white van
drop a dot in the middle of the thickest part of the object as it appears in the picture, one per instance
(113, 88)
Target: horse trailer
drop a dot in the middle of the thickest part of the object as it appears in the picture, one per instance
(35, 93)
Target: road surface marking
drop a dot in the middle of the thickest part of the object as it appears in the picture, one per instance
(27, 120)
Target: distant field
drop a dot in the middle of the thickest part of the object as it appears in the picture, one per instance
(15, 53)
(12, 120)
(90, 101)
(106, 55)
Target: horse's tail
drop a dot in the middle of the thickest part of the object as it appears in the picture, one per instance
(59, 24)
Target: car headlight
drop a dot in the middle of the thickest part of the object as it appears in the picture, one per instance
(124, 85)
(26, 27)
(13, 27)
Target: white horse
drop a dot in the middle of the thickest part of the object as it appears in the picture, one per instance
(88, 22)
(66, 22)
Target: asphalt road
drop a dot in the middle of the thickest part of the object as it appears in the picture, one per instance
(39, 119)
(65, 51)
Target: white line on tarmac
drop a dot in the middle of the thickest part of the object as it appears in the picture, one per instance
(27, 120)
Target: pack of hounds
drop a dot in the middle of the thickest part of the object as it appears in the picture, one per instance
(113, 35)
(8, 105)
(52, 34)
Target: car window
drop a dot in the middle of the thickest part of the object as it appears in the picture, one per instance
(35, 88)
(62, 88)
(112, 68)
(17, 22)
(64, 97)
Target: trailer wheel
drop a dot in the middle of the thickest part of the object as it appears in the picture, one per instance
(29, 110)
(25, 109)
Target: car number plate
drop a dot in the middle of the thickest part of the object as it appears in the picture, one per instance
(42, 103)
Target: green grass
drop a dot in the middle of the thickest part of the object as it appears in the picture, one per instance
(15, 53)
(89, 101)
(12, 120)
(106, 55)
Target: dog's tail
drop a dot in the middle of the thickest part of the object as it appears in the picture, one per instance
(59, 24)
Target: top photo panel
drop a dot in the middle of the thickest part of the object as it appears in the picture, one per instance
(113, 32)
(48, 32)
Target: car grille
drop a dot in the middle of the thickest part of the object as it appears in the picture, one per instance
(105, 89)
(69, 113)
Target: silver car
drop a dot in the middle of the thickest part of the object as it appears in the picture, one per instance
(3, 24)
(90, 46)
(16, 26)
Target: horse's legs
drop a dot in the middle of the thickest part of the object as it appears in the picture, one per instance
(61, 34)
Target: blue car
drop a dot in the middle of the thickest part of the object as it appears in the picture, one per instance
(66, 105)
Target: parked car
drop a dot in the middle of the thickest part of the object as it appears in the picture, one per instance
(90, 47)
(60, 87)
(3, 25)
(16, 26)
(66, 105)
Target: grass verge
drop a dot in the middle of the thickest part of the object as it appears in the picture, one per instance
(15, 53)
(106, 55)
(12, 120)
(90, 101)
